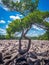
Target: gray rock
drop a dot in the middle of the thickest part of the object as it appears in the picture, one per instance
(37, 62)
(33, 55)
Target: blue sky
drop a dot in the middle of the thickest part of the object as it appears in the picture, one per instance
(7, 16)
(43, 5)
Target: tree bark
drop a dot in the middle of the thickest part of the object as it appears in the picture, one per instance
(29, 43)
(1, 58)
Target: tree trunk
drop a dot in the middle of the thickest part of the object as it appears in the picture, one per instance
(1, 58)
(29, 43)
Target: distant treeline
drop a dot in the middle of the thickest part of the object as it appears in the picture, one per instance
(41, 37)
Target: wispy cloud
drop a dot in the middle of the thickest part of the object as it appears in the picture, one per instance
(47, 19)
(14, 17)
(6, 26)
(20, 15)
(9, 21)
(0, 1)
(2, 21)
(16, 0)
(37, 28)
(2, 31)
(6, 8)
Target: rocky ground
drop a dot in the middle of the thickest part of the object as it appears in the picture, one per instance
(38, 53)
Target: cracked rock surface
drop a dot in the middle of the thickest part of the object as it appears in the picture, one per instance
(38, 53)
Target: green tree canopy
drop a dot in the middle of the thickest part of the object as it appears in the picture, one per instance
(35, 17)
(26, 23)
(22, 6)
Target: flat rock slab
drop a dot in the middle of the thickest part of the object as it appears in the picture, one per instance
(36, 45)
(39, 48)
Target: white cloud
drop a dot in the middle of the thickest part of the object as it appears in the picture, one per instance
(16, 0)
(2, 21)
(34, 26)
(14, 17)
(2, 31)
(9, 21)
(47, 19)
(0, 1)
(20, 15)
(32, 35)
(6, 26)
(6, 8)
(38, 28)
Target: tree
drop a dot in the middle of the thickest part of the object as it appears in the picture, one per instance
(6, 2)
(46, 35)
(26, 23)
(35, 17)
(24, 6)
